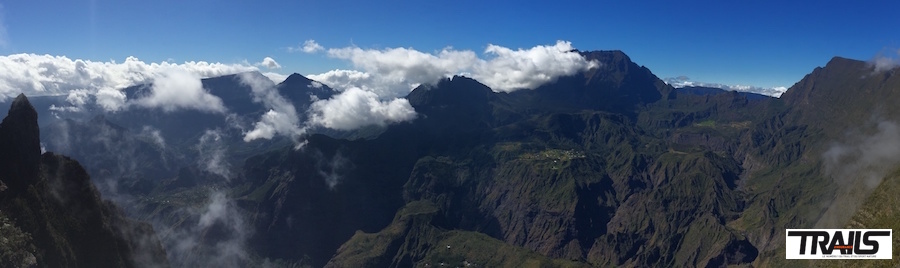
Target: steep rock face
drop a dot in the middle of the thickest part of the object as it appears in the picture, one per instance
(617, 85)
(308, 202)
(52, 199)
(841, 103)
(20, 137)
(302, 91)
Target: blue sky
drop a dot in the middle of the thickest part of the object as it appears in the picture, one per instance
(761, 43)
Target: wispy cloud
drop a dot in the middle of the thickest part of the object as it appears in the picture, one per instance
(191, 244)
(212, 154)
(282, 117)
(885, 61)
(857, 164)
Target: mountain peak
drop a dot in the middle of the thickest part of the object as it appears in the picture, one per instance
(841, 63)
(298, 77)
(20, 145)
(21, 103)
(456, 90)
(296, 80)
(299, 89)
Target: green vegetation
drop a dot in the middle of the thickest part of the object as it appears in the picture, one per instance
(706, 123)
(413, 241)
(16, 247)
(880, 211)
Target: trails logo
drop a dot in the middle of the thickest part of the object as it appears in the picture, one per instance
(838, 243)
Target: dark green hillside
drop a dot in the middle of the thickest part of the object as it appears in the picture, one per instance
(650, 179)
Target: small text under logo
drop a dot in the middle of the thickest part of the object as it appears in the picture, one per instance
(838, 243)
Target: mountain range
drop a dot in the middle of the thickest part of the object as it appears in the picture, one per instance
(609, 167)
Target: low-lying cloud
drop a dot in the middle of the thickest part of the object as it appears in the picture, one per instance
(176, 89)
(510, 70)
(393, 72)
(37, 75)
(218, 237)
(885, 61)
(341, 80)
(212, 154)
(332, 169)
(282, 117)
(858, 165)
(684, 81)
(154, 135)
(355, 108)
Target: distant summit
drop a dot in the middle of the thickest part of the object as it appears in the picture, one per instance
(300, 91)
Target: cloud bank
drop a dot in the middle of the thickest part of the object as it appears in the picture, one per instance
(684, 81)
(355, 108)
(176, 89)
(393, 72)
(37, 75)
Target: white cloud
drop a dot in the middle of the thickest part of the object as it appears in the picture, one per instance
(885, 62)
(272, 123)
(309, 46)
(511, 70)
(281, 119)
(684, 81)
(393, 72)
(356, 108)
(110, 99)
(78, 97)
(269, 63)
(369, 96)
(66, 109)
(176, 89)
(344, 79)
(36, 75)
